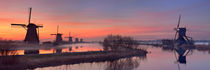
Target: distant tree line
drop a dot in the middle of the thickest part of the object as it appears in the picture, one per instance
(116, 42)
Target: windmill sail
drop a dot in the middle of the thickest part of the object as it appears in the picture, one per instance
(19, 24)
(177, 27)
(29, 19)
(31, 36)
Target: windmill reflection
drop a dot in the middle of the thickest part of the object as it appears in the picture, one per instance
(124, 64)
(182, 53)
(31, 52)
(70, 48)
(183, 44)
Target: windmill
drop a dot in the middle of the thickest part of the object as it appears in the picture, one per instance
(181, 32)
(70, 38)
(31, 35)
(58, 36)
(182, 39)
(81, 40)
(77, 40)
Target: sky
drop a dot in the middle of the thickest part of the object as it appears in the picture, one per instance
(95, 19)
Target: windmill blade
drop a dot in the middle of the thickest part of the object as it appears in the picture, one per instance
(177, 27)
(57, 29)
(39, 25)
(29, 19)
(18, 24)
(175, 35)
(68, 37)
(179, 21)
(53, 34)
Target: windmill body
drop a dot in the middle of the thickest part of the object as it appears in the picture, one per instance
(81, 40)
(181, 36)
(76, 40)
(31, 35)
(59, 38)
(70, 39)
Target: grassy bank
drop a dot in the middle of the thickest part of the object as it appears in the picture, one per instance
(44, 60)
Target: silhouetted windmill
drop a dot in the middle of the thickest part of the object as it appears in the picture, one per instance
(182, 37)
(76, 40)
(31, 35)
(81, 40)
(58, 36)
(70, 38)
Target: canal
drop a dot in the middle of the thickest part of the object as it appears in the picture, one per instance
(157, 59)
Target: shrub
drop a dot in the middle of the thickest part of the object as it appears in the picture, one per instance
(115, 42)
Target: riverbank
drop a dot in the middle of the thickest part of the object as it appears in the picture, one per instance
(44, 60)
(203, 47)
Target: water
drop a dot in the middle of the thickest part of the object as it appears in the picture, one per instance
(201, 43)
(62, 49)
(157, 59)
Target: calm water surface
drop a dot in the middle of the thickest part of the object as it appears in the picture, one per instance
(157, 59)
(62, 49)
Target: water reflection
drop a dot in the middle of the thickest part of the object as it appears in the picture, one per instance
(68, 49)
(58, 50)
(8, 58)
(121, 64)
(7, 52)
(156, 60)
(180, 52)
(124, 64)
(31, 51)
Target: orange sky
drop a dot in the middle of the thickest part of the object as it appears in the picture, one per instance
(83, 29)
(95, 20)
